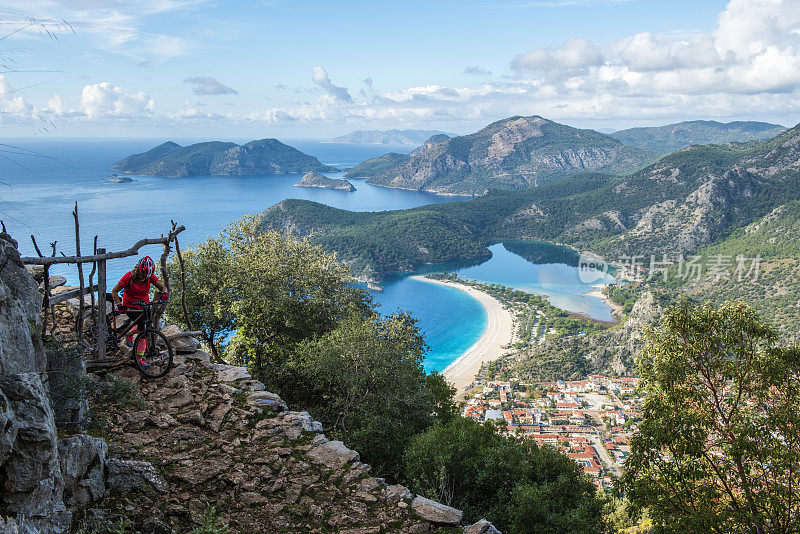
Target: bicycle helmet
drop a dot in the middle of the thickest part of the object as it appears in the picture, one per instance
(146, 267)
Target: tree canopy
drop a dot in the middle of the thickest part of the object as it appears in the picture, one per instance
(719, 445)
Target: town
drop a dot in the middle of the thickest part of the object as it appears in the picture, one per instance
(590, 420)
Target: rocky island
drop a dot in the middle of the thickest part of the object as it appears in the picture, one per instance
(315, 179)
(265, 156)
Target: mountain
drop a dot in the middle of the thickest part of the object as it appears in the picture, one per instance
(376, 165)
(514, 153)
(315, 179)
(698, 201)
(266, 156)
(387, 137)
(672, 137)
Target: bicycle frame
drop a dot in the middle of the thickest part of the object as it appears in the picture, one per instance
(143, 315)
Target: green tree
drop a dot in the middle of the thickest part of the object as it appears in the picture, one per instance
(364, 380)
(718, 448)
(208, 297)
(515, 484)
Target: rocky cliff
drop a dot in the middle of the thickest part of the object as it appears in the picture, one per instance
(315, 179)
(515, 153)
(204, 444)
(266, 156)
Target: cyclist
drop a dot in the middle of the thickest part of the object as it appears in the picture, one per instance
(136, 285)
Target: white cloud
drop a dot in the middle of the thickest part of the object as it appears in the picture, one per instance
(320, 77)
(113, 25)
(103, 100)
(206, 85)
(575, 53)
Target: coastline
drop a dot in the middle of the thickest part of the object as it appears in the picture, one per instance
(616, 309)
(499, 331)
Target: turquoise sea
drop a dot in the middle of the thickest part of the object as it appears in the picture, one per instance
(41, 179)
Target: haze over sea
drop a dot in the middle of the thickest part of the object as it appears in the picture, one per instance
(37, 195)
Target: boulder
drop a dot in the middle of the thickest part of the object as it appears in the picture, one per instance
(398, 493)
(181, 345)
(55, 281)
(230, 373)
(82, 459)
(436, 512)
(481, 527)
(265, 399)
(333, 454)
(125, 476)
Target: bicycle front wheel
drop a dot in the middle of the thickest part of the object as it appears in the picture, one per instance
(152, 354)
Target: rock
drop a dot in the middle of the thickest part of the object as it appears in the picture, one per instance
(125, 476)
(265, 399)
(21, 348)
(33, 480)
(371, 483)
(36, 271)
(230, 373)
(56, 281)
(66, 380)
(333, 454)
(82, 460)
(436, 512)
(218, 415)
(481, 527)
(181, 345)
(397, 493)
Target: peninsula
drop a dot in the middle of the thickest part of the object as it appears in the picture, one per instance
(315, 179)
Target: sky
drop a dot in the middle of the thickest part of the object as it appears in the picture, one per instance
(316, 69)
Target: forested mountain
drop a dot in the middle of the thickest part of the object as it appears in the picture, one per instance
(514, 153)
(265, 156)
(672, 137)
(688, 202)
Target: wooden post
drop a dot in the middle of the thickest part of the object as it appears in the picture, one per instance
(101, 305)
(79, 322)
(46, 301)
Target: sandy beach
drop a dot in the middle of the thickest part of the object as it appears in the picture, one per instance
(616, 309)
(499, 331)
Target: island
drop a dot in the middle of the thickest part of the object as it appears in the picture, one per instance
(215, 158)
(116, 179)
(315, 179)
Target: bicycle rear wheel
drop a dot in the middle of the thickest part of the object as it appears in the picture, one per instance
(152, 354)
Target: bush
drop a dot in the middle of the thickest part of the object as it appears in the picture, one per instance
(515, 484)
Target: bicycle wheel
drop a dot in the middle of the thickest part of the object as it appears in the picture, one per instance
(152, 354)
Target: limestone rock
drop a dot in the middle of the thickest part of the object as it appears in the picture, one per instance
(231, 373)
(481, 527)
(82, 459)
(33, 480)
(397, 493)
(21, 349)
(333, 454)
(266, 399)
(181, 345)
(125, 476)
(436, 512)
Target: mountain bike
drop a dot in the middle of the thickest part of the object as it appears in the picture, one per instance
(150, 349)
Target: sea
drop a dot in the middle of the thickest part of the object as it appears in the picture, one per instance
(41, 179)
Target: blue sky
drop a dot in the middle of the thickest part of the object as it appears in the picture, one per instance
(214, 69)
